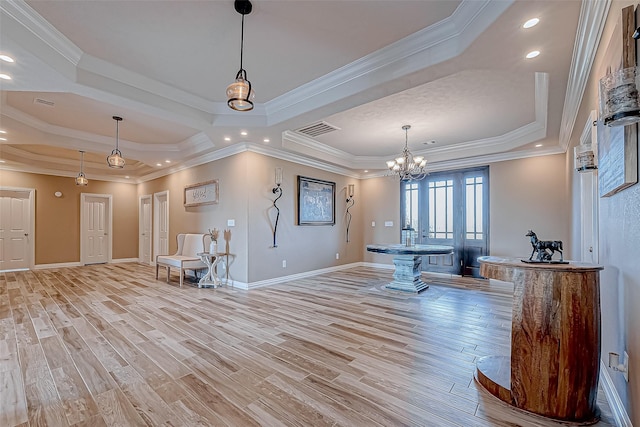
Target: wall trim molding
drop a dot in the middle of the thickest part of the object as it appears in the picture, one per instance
(57, 265)
(281, 279)
(615, 403)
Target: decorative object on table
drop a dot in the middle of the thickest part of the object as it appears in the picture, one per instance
(350, 203)
(213, 246)
(81, 179)
(277, 190)
(542, 247)
(240, 94)
(115, 159)
(408, 167)
(227, 239)
(203, 193)
(408, 236)
(316, 201)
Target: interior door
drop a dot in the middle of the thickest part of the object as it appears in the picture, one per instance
(15, 229)
(95, 228)
(161, 223)
(144, 243)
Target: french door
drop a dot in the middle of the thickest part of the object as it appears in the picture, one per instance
(450, 208)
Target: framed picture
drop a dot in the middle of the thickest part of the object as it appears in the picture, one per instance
(316, 201)
(204, 193)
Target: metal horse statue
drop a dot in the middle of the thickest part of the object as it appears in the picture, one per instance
(541, 247)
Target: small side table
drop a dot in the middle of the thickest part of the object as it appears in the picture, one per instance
(212, 261)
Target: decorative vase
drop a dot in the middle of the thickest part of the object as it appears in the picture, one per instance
(213, 247)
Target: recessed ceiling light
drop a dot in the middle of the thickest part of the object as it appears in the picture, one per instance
(126, 176)
(243, 133)
(6, 58)
(533, 54)
(366, 171)
(167, 161)
(3, 131)
(226, 138)
(538, 145)
(158, 164)
(266, 140)
(1, 161)
(531, 23)
(5, 77)
(2, 139)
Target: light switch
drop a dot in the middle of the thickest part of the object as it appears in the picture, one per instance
(231, 223)
(388, 223)
(373, 223)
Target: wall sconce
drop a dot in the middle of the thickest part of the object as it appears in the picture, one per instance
(585, 158)
(350, 203)
(619, 101)
(277, 190)
(614, 363)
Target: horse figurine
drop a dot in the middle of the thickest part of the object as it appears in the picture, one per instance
(541, 247)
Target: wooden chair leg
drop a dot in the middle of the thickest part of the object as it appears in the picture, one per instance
(168, 274)
(181, 276)
(157, 265)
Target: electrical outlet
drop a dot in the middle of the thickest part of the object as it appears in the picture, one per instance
(284, 263)
(626, 367)
(231, 223)
(388, 223)
(337, 255)
(373, 223)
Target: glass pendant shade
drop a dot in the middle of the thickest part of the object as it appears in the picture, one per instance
(407, 167)
(240, 95)
(81, 179)
(115, 159)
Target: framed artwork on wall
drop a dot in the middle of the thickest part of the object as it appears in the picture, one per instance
(203, 193)
(316, 201)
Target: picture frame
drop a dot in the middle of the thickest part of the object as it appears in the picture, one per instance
(202, 193)
(316, 201)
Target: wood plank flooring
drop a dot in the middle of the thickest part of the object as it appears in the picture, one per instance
(107, 345)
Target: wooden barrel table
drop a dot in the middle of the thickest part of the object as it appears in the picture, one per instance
(554, 364)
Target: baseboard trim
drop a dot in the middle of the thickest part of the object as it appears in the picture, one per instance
(56, 265)
(376, 265)
(121, 260)
(615, 403)
(303, 275)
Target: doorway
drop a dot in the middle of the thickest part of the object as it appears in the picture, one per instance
(144, 225)
(160, 223)
(17, 222)
(95, 228)
(450, 208)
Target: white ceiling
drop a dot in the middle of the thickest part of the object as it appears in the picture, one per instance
(454, 70)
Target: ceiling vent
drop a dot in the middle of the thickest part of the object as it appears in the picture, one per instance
(44, 102)
(317, 129)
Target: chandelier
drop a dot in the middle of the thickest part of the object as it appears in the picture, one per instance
(408, 167)
(240, 95)
(115, 159)
(81, 179)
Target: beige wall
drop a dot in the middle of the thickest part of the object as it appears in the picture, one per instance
(528, 194)
(57, 233)
(619, 246)
(381, 203)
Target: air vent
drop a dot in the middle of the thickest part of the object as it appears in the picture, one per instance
(317, 129)
(44, 102)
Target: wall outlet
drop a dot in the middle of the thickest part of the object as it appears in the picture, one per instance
(373, 223)
(626, 367)
(231, 223)
(337, 255)
(284, 263)
(388, 223)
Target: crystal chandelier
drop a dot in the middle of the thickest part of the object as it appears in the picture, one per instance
(115, 159)
(81, 179)
(240, 95)
(408, 167)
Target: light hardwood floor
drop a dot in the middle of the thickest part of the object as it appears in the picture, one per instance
(109, 345)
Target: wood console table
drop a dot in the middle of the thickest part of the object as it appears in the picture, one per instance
(555, 340)
(408, 261)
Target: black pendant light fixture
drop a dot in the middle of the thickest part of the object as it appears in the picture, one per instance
(240, 94)
(115, 159)
(81, 179)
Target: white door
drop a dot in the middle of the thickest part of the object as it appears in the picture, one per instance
(144, 226)
(95, 247)
(161, 223)
(15, 229)
(589, 198)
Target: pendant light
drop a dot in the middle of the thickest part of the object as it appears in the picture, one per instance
(240, 94)
(115, 159)
(81, 179)
(408, 167)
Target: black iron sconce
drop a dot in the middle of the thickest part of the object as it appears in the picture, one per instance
(350, 203)
(277, 190)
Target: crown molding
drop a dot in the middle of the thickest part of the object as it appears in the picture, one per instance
(41, 28)
(593, 15)
(429, 46)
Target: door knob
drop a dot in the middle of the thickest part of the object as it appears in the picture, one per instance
(590, 248)
(26, 234)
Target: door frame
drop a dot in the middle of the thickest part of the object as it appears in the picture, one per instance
(141, 226)
(83, 233)
(589, 197)
(156, 222)
(31, 249)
